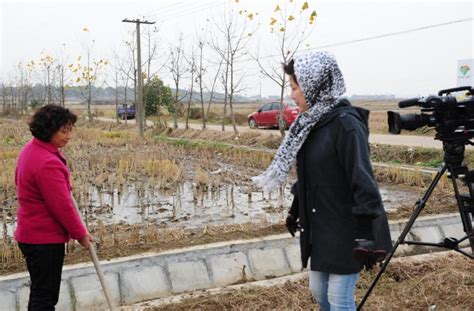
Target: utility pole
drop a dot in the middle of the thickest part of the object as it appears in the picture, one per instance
(140, 108)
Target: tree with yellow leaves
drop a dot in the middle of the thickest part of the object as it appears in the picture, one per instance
(87, 71)
(291, 22)
(46, 62)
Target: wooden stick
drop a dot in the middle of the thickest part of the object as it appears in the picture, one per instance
(97, 266)
(100, 274)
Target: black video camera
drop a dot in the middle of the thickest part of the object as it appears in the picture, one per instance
(452, 120)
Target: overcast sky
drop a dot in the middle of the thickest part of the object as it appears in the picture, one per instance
(407, 64)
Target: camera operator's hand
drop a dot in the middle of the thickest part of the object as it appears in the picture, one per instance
(292, 224)
(365, 253)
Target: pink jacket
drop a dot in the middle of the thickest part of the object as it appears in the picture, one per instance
(46, 213)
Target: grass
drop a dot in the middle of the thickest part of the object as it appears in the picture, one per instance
(443, 283)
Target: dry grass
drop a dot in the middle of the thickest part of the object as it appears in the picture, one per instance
(445, 283)
(126, 240)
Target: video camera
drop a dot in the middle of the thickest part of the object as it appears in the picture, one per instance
(453, 120)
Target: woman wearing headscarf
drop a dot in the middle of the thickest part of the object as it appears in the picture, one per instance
(47, 217)
(336, 198)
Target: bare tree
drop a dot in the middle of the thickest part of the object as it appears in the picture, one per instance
(291, 25)
(126, 67)
(192, 69)
(177, 69)
(200, 74)
(201, 71)
(4, 99)
(212, 90)
(23, 75)
(64, 74)
(152, 52)
(229, 43)
(13, 99)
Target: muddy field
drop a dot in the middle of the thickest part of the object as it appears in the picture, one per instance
(439, 284)
(148, 194)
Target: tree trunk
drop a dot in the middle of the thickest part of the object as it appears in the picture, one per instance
(190, 100)
(116, 98)
(226, 94)
(13, 107)
(231, 96)
(175, 114)
(4, 99)
(89, 99)
(63, 90)
(280, 115)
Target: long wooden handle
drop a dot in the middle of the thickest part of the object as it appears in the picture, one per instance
(97, 266)
(100, 274)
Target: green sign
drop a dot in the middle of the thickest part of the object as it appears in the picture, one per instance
(464, 69)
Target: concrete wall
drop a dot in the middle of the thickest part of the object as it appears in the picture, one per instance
(154, 275)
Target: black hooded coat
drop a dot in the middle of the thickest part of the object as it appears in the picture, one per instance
(336, 194)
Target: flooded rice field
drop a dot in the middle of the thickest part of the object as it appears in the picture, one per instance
(140, 194)
(188, 206)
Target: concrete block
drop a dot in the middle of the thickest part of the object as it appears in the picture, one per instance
(188, 275)
(89, 294)
(268, 262)
(139, 284)
(395, 234)
(293, 253)
(230, 268)
(455, 231)
(23, 297)
(64, 300)
(427, 234)
(7, 300)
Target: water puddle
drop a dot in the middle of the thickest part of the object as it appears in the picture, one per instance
(186, 206)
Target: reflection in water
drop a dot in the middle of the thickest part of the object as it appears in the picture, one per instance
(187, 205)
(191, 207)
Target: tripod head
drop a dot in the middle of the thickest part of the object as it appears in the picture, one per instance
(454, 152)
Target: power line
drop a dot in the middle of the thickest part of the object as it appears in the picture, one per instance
(178, 8)
(391, 34)
(193, 10)
(167, 9)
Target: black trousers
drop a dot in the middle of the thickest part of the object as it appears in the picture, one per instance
(45, 264)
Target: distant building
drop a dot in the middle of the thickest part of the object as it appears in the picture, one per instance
(464, 72)
(373, 97)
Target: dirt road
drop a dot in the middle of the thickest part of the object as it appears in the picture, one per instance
(385, 139)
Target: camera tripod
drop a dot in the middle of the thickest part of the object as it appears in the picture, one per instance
(453, 157)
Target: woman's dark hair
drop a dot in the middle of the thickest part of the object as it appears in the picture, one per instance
(290, 69)
(48, 120)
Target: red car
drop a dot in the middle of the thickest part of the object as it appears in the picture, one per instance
(267, 115)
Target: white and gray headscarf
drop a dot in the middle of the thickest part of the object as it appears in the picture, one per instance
(318, 75)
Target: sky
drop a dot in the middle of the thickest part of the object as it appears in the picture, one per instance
(405, 48)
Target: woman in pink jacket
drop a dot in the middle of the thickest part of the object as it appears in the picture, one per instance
(47, 217)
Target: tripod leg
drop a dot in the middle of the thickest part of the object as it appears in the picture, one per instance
(419, 207)
(465, 217)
